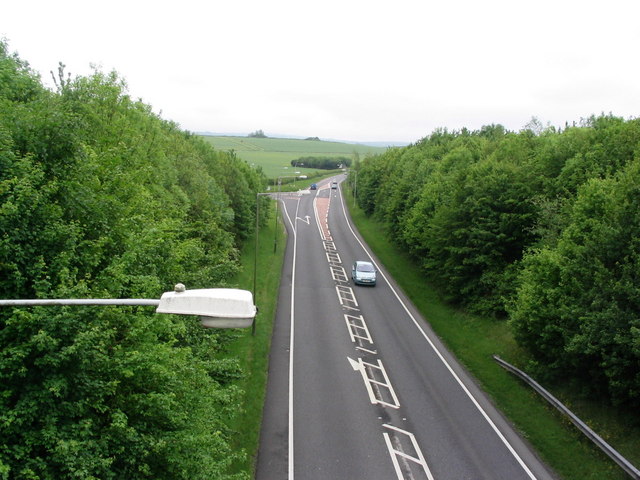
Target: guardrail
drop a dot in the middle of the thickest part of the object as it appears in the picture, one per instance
(584, 428)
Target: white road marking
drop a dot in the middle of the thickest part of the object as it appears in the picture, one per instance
(376, 388)
(329, 246)
(398, 453)
(372, 352)
(346, 297)
(338, 274)
(357, 328)
(315, 214)
(333, 258)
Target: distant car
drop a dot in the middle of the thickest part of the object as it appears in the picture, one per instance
(363, 273)
(313, 186)
(334, 185)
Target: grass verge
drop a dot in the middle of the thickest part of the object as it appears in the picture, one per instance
(474, 340)
(253, 350)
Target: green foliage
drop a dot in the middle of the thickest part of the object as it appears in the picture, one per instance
(100, 394)
(481, 229)
(101, 198)
(539, 224)
(577, 307)
(323, 163)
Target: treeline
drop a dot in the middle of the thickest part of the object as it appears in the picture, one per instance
(541, 227)
(100, 198)
(323, 163)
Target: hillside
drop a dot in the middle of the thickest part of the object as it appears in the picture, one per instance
(274, 155)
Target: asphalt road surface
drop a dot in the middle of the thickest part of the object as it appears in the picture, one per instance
(359, 386)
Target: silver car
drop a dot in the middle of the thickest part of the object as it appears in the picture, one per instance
(363, 273)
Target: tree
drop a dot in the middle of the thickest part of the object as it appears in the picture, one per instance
(100, 198)
(540, 223)
(478, 232)
(576, 307)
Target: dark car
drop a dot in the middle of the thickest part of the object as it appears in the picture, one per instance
(313, 186)
(363, 273)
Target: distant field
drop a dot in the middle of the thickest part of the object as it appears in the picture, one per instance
(274, 155)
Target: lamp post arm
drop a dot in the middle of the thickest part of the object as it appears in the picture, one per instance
(83, 301)
(216, 307)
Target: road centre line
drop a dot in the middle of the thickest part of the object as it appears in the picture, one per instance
(357, 331)
(396, 451)
(338, 274)
(333, 258)
(317, 217)
(346, 296)
(368, 372)
(329, 246)
(371, 352)
(324, 236)
(439, 354)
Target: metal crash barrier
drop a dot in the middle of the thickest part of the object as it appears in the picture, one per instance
(584, 428)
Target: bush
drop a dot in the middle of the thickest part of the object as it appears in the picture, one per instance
(100, 198)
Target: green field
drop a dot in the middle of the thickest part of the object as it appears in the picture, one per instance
(274, 155)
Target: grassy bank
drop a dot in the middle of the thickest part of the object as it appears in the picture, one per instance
(474, 340)
(253, 350)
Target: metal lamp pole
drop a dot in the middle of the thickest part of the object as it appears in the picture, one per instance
(255, 259)
(216, 307)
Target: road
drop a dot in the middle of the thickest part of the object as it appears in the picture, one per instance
(359, 386)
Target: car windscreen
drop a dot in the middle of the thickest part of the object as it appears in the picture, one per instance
(367, 267)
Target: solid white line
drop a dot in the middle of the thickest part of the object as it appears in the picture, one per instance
(440, 356)
(291, 333)
(315, 214)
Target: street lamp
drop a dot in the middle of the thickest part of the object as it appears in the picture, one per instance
(297, 173)
(275, 243)
(216, 307)
(279, 179)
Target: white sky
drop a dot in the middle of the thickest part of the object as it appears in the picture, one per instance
(361, 70)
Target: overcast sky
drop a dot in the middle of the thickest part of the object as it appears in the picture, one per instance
(361, 70)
